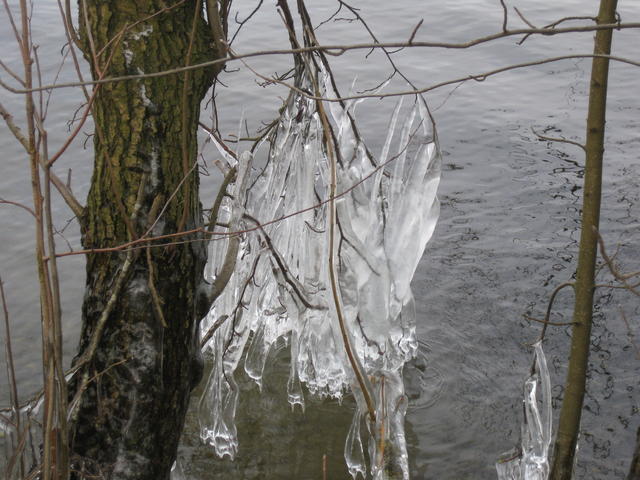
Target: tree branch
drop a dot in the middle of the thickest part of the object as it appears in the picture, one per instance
(339, 49)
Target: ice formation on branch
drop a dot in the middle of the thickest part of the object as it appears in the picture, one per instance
(531, 461)
(386, 210)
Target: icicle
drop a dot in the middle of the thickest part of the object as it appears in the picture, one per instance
(532, 461)
(256, 356)
(294, 388)
(388, 447)
(177, 473)
(223, 151)
(353, 451)
(218, 404)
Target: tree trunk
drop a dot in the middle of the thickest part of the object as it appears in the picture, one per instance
(139, 352)
(634, 469)
(569, 424)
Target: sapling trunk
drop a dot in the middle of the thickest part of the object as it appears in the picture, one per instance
(569, 424)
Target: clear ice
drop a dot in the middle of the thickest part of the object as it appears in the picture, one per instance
(386, 212)
(531, 460)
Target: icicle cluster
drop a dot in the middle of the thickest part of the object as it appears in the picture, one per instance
(386, 212)
(531, 461)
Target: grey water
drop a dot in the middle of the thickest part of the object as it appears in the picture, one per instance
(507, 236)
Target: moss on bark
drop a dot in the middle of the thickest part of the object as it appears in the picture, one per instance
(132, 412)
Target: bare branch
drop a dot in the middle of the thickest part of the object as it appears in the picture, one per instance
(21, 205)
(415, 30)
(480, 77)
(75, 206)
(558, 139)
(339, 49)
(14, 28)
(222, 191)
(12, 73)
(242, 23)
(220, 321)
(547, 315)
(293, 283)
(622, 278)
(524, 19)
(548, 322)
(505, 15)
(11, 371)
(8, 118)
(569, 19)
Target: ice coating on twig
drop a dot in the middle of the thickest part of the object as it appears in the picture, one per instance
(386, 212)
(531, 462)
(20, 439)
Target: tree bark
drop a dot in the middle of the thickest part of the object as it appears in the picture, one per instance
(570, 414)
(139, 351)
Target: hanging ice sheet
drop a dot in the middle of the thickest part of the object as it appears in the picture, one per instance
(386, 212)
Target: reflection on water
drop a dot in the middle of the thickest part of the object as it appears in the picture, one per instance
(278, 442)
(275, 442)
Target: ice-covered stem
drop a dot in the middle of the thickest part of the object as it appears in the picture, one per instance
(286, 275)
(387, 448)
(531, 459)
(358, 370)
(11, 373)
(229, 265)
(222, 191)
(570, 414)
(360, 374)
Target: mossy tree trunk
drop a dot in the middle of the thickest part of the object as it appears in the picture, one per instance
(570, 414)
(139, 349)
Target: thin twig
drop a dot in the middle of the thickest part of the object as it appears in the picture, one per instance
(8, 118)
(622, 278)
(221, 235)
(363, 381)
(479, 77)
(222, 191)
(220, 321)
(293, 283)
(242, 23)
(11, 371)
(548, 322)
(415, 31)
(20, 205)
(524, 19)
(559, 139)
(12, 73)
(505, 16)
(12, 22)
(547, 315)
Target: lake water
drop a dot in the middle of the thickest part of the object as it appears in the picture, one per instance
(506, 238)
